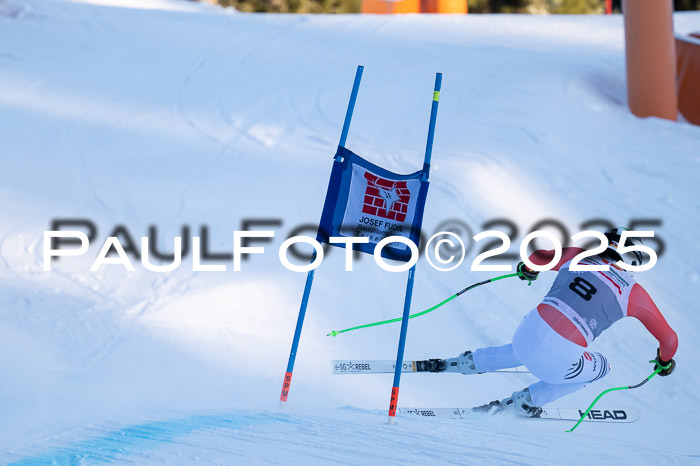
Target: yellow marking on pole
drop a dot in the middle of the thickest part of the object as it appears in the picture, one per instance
(436, 95)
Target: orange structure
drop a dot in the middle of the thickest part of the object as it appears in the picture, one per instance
(388, 7)
(688, 52)
(651, 58)
(444, 6)
(384, 7)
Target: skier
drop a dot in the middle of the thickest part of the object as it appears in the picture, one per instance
(552, 339)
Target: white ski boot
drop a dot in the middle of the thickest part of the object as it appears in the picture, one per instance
(463, 364)
(520, 403)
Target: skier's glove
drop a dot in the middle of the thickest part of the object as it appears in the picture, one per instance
(526, 273)
(667, 366)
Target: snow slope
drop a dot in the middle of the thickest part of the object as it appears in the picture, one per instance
(169, 114)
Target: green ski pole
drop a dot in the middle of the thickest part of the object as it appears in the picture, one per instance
(334, 333)
(658, 369)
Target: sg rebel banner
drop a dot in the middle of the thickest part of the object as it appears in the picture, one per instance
(365, 200)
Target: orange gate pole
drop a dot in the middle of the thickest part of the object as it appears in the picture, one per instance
(651, 58)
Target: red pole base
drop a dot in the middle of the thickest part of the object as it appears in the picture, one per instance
(394, 402)
(285, 386)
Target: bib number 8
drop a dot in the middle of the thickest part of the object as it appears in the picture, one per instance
(583, 288)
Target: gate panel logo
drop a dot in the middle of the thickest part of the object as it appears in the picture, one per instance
(385, 198)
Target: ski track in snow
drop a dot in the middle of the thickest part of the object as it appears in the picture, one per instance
(345, 436)
(170, 117)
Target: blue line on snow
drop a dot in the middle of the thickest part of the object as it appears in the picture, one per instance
(129, 440)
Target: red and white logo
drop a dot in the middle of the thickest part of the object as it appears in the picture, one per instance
(587, 355)
(385, 198)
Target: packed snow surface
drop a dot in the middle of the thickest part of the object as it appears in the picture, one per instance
(171, 114)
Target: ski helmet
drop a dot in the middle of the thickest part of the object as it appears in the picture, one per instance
(630, 257)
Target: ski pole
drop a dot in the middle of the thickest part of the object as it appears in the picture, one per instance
(417, 314)
(658, 369)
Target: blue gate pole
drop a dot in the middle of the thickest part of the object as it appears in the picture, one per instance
(287, 382)
(297, 333)
(393, 403)
(351, 105)
(402, 345)
(431, 127)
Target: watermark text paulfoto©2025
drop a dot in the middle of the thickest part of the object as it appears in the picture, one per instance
(433, 247)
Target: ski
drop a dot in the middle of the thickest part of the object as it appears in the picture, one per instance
(371, 366)
(617, 415)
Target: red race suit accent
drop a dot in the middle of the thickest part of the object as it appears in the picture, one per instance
(640, 306)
